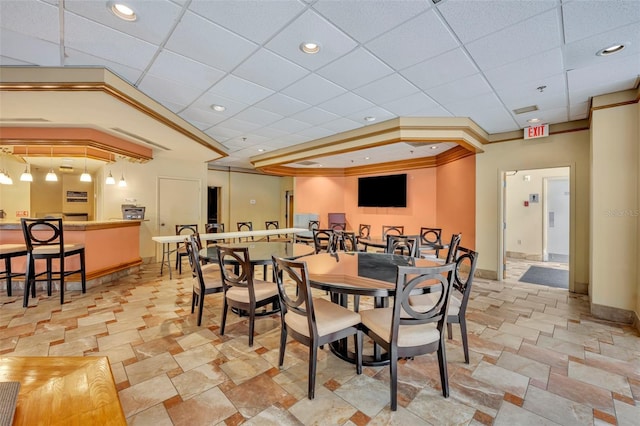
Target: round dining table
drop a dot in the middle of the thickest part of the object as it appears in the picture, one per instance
(360, 274)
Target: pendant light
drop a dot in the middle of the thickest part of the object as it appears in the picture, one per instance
(85, 176)
(26, 175)
(51, 176)
(110, 180)
(122, 182)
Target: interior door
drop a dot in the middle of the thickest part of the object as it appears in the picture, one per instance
(557, 210)
(179, 204)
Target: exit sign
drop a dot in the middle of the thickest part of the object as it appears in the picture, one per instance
(541, 131)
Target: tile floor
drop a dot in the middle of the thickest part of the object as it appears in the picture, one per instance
(537, 357)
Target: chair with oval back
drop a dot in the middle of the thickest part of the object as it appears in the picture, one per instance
(392, 230)
(430, 242)
(399, 244)
(206, 278)
(245, 226)
(181, 250)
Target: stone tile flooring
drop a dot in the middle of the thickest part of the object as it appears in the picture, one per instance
(537, 357)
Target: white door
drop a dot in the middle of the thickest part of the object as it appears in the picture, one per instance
(557, 209)
(179, 203)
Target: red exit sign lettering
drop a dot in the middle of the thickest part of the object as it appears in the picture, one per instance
(22, 213)
(533, 132)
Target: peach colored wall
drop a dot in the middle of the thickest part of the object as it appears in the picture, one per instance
(456, 200)
(325, 195)
(105, 249)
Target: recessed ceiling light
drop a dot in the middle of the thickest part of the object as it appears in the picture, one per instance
(123, 11)
(218, 108)
(310, 47)
(367, 158)
(434, 146)
(369, 118)
(260, 149)
(615, 48)
(533, 120)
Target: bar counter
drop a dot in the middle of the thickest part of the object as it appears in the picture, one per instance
(110, 246)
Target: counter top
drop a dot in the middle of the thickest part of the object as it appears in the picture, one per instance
(72, 225)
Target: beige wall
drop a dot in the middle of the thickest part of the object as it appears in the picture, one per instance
(524, 223)
(237, 191)
(14, 197)
(615, 209)
(559, 150)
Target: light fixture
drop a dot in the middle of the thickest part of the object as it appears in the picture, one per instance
(218, 108)
(434, 146)
(260, 149)
(122, 182)
(122, 11)
(533, 120)
(614, 48)
(26, 175)
(310, 47)
(51, 176)
(369, 118)
(367, 158)
(85, 176)
(110, 180)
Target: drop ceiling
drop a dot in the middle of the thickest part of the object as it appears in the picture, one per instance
(380, 59)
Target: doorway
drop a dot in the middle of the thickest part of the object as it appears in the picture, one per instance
(213, 204)
(536, 229)
(179, 202)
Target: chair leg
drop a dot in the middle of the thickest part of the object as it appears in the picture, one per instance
(83, 272)
(465, 343)
(49, 277)
(200, 308)
(313, 359)
(393, 379)
(194, 300)
(225, 307)
(359, 352)
(449, 331)
(7, 270)
(252, 323)
(356, 303)
(283, 345)
(62, 281)
(442, 364)
(29, 271)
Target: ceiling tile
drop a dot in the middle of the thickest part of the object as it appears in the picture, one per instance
(583, 19)
(442, 69)
(10, 61)
(29, 49)
(170, 65)
(313, 89)
(554, 95)
(583, 53)
(104, 42)
(73, 57)
(240, 125)
(387, 89)
(364, 20)
(209, 98)
(258, 116)
(315, 132)
(458, 90)
(414, 105)
(206, 116)
(603, 78)
(315, 116)
(355, 69)
(31, 18)
(527, 38)
(270, 70)
(222, 134)
(380, 114)
(346, 103)
(342, 125)
(282, 104)
(419, 39)
(311, 27)
(222, 49)
(579, 111)
(155, 20)
(240, 90)
(495, 120)
(290, 125)
(162, 89)
(256, 20)
(469, 18)
(530, 68)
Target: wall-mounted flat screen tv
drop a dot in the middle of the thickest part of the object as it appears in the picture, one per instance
(382, 191)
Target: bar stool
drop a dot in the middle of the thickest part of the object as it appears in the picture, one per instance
(45, 240)
(7, 252)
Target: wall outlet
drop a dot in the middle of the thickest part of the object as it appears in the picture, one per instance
(519, 242)
(252, 201)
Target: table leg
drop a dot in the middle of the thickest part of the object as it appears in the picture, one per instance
(166, 252)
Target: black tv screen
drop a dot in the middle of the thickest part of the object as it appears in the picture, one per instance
(382, 191)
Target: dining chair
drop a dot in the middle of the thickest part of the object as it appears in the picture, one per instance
(311, 321)
(314, 224)
(245, 226)
(206, 278)
(465, 262)
(405, 330)
(214, 228)
(181, 250)
(323, 239)
(453, 247)
(273, 224)
(241, 290)
(392, 230)
(364, 232)
(346, 241)
(338, 226)
(430, 242)
(398, 244)
(44, 239)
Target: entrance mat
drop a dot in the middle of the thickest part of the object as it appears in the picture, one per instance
(546, 276)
